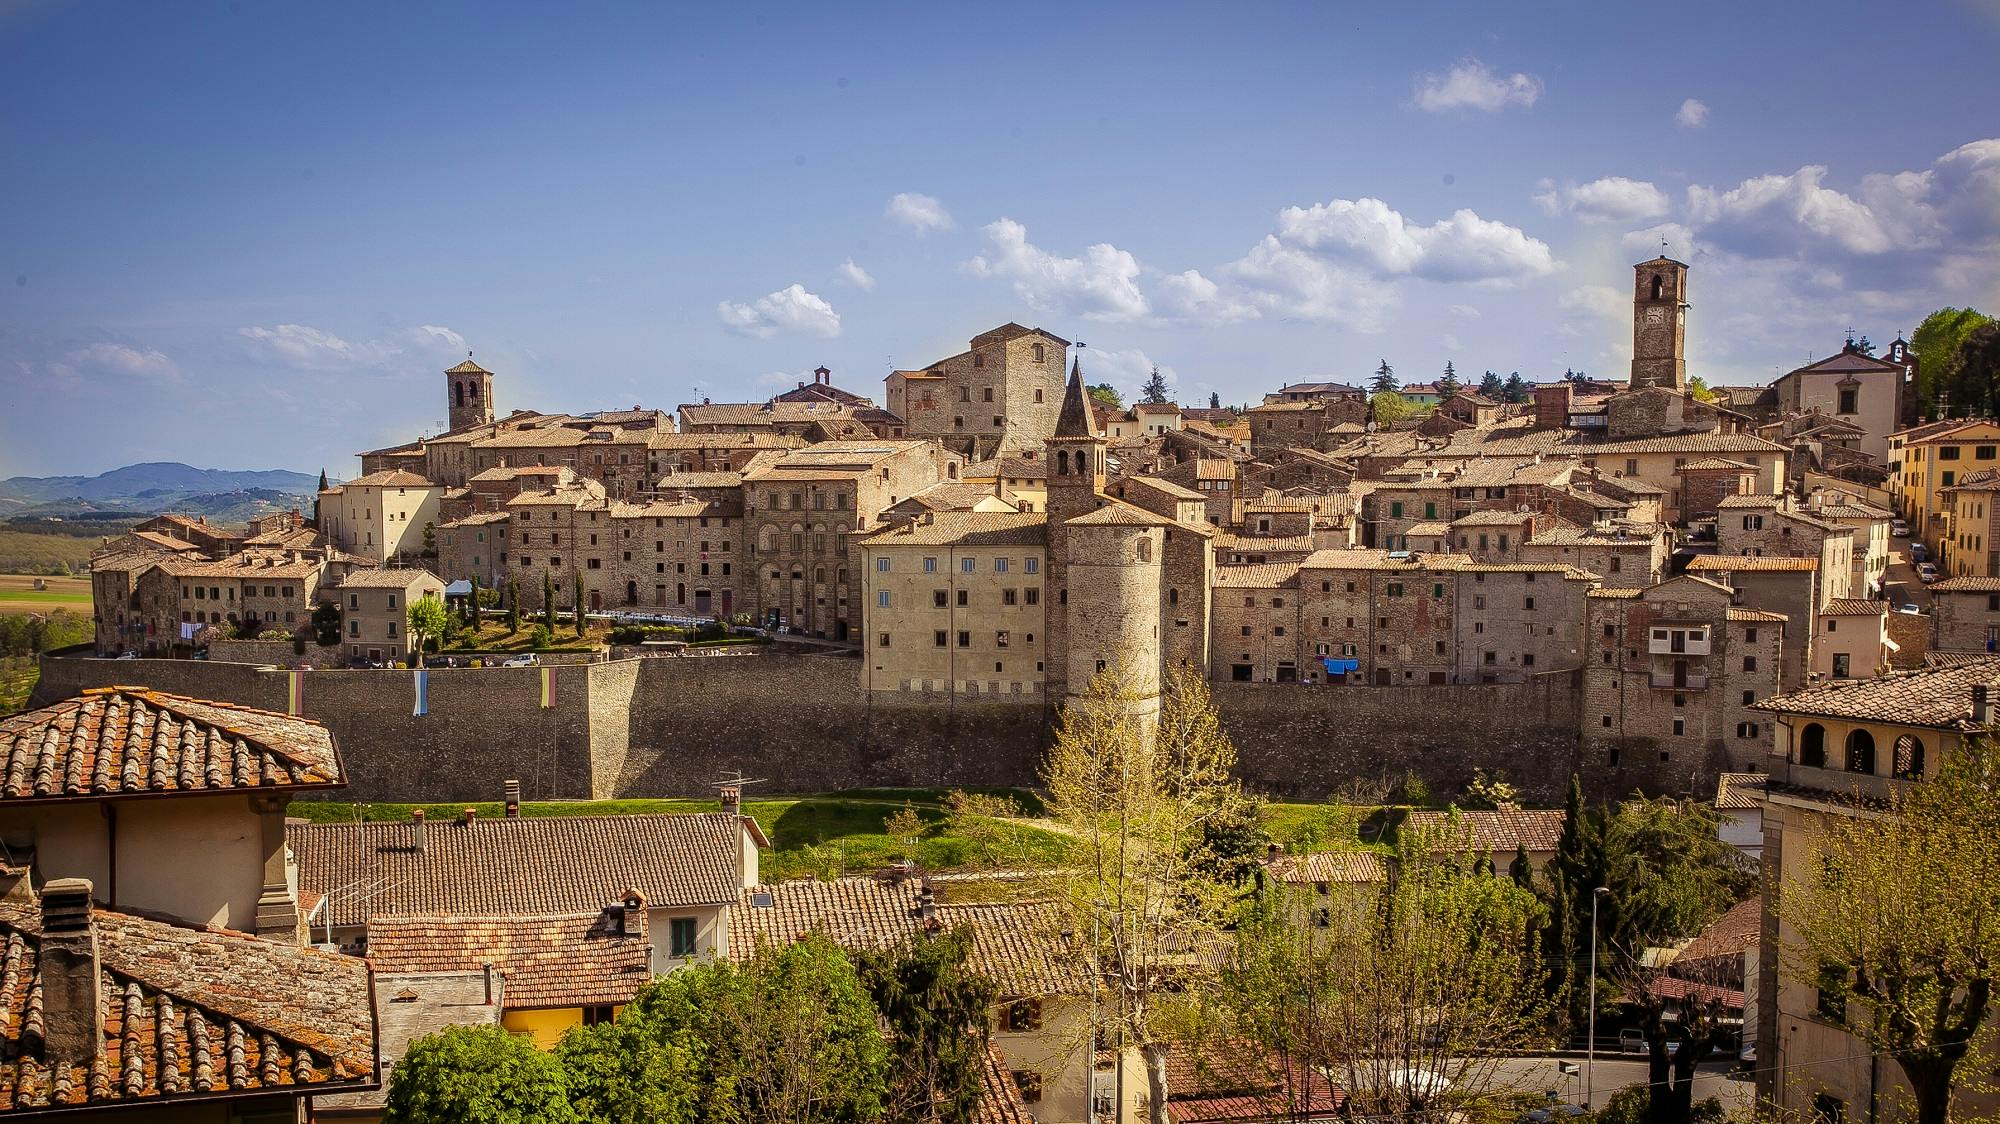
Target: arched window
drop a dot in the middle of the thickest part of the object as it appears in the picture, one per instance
(1145, 549)
(1812, 746)
(1659, 286)
(1861, 752)
(472, 391)
(1062, 463)
(1038, 353)
(458, 394)
(1173, 596)
(1908, 758)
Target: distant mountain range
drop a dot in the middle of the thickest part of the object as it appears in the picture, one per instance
(148, 489)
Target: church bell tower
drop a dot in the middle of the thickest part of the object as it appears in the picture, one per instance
(1659, 324)
(469, 388)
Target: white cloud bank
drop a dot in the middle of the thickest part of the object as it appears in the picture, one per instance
(791, 311)
(1693, 114)
(1472, 85)
(921, 213)
(854, 275)
(1611, 199)
(1102, 284)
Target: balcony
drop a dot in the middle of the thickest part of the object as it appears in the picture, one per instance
(1678, 642)
(1671, 681)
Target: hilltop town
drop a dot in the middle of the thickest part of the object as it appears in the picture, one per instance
(1501, 600)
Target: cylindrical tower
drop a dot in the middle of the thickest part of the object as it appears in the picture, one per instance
(1115, 555)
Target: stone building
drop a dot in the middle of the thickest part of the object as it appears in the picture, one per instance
(1841, 748)
(1971, 537)
(677, 556)
(802, 514)
(1851, 387)
(1965, 615)
(1659, 324)
(1671, 674)
(383, 516)
(955, 605)
(375, 607)
(471, 388)
(999, 395)
(1630, 555)
(1790, 587)
(1769, 526)
(561, 534)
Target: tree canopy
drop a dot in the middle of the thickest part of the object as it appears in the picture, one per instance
(478, 1075)
(427, 621)
(1156, 390)
(1385, 378)
(1936, 342)
(1390, 407)
(1106, 395)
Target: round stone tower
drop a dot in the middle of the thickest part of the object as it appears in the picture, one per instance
(1114, 559)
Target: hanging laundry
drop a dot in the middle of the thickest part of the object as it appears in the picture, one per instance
(295, 692)
(422, 706)
(548, 688)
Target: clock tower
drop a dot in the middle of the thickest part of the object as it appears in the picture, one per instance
(1659, 324)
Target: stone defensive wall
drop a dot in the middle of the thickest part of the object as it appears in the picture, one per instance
(674, 727)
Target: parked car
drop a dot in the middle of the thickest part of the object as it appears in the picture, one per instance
(1631, 1040)
(1910, 609)
(527, 660)
(128, 655)
(1927, 573)
(1919, 552)
(1899, 529)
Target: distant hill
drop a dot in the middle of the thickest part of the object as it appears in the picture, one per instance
(153, 487)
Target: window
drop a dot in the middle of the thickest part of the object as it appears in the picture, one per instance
(1395, 589)
(1812, 746)
(681, 932)
(938, 638)
(882, 640)
(1840, 665)
(965, 565)
(1680, 726)
(1907, 758)
(965, 639)
(1861, 752)
(882, 599)
(937, 598)
(1749, 663)
(1746, 729)
(1034, 565)
(1848, 401)
(930, 565)
(1028, 1083)
(999, 565)
(882, 565)
(1033, 595)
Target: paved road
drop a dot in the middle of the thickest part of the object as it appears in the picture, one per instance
(1615, 1072)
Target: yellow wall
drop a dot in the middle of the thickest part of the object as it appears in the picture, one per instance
(545, 1026)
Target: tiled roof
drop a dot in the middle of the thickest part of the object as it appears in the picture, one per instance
(1747, 563)
(1936, 697)
(855, 912)
(389, 478)
(467, 367)
(1955, 657)
(242, 566)
(675, 480)
(1259, 575)
(1967, 585)
(1493, 519)
(1328, 866)
(547, 960)
(1536, 829)
(1673, 987)
(1712, 464)
(1118, 513)
(967, 528)
(999, 1098)
(409, 1007)
(1167, 488)
(1020, 946)
(1303, 544)
(133, 741)
(1854, 607)
(386, 578)
(188, 1014)
(1736, 792)
(1763, 616)
(1428, 527)
(1734, 933)
(524, 865)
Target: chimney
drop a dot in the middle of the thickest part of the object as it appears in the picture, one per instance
(1982, 706)
(513, 799)
(492, 988)
(926, 904)
(417, 828)
(732, 800)
(469, 816)
(72, 1009)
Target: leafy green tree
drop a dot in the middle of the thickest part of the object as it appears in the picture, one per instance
(427, 621)
(478, 1075)
(1490, 386)
(789, 1035)
(549, 599)
(1936, 342)
(1390, 407)
(1516, 388)
(1669, 870)
(1106, 395)
(1385, 379)
(1156, 390)
(935, 1005)
(326, 624)
(1979, 367)
(1863, 346)
(1490, 791)
(1448, 386)
(472, 605)
(540, 637)
(1214, 400)
(513, 606)
(1698, 389)
(1900, 913)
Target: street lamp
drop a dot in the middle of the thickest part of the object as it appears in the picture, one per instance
(1590, 1041)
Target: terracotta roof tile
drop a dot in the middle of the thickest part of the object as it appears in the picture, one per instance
(1536, 829)
(1854, 607)
(1328, 866)
(387, 578)
(1967, 585)
(1736, 792)
(1748, 563)
(389, 478)
(546, 960)
(524, 865)
(1258, 575)
(133, 741)
(188, 1013)
(967, 528)
(999, 1098)
(853, 912)
(1736, 932)
(1937, 697)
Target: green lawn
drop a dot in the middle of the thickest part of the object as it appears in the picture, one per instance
(811, 836)
(18, 675)
(44, 597)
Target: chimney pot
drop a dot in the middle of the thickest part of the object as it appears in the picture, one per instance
(513, 790)
(417, 830)
(732, 800)
(72, 1006)
(492, 991)
(470, 815)
(1982, 709)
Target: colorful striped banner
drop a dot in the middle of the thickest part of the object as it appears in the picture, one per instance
(423, 684)
(295, 693)
(548, 688)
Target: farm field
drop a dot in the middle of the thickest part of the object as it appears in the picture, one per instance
(19, 595)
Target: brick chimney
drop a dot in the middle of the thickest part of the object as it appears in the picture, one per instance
(513, 789)
(1982, 706)
(1552, 405)
(469, 816)
(417, 832)
(72, 1008)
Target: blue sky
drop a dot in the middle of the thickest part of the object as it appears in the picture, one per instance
(251, 235)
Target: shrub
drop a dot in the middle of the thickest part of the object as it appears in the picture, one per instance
(274, 634)
(540, 637)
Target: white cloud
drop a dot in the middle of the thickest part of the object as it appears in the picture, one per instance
(1668, 238)
(1100, 285)
(1471, 85)
(119, 359)
(1191, 296)
(919, 212)
(301, 345)
(1693, 114)
(789, 310)
(1764, 213)
(1601, 301)
(854, 275)
(1291, 283)
(1611, 199)
(1464, 311)
(1370, 233)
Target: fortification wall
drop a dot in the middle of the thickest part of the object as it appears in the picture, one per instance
(660, 727)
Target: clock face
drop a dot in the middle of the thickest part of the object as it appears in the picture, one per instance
(1656, 315)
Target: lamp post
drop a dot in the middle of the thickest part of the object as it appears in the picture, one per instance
(1590, 1041)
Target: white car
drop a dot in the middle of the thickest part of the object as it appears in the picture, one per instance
(520, 661)
(1927, 573)
(1900, 529)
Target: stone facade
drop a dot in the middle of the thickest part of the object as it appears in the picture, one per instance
(1000, 395)
(1659, 324)
(1965, 615)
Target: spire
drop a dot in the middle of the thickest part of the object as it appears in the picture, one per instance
(1077, 418)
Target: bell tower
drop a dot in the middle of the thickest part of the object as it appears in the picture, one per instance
(469, 394)
(1659, 324)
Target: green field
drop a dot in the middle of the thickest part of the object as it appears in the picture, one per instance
(811, 836)
(38, 552)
